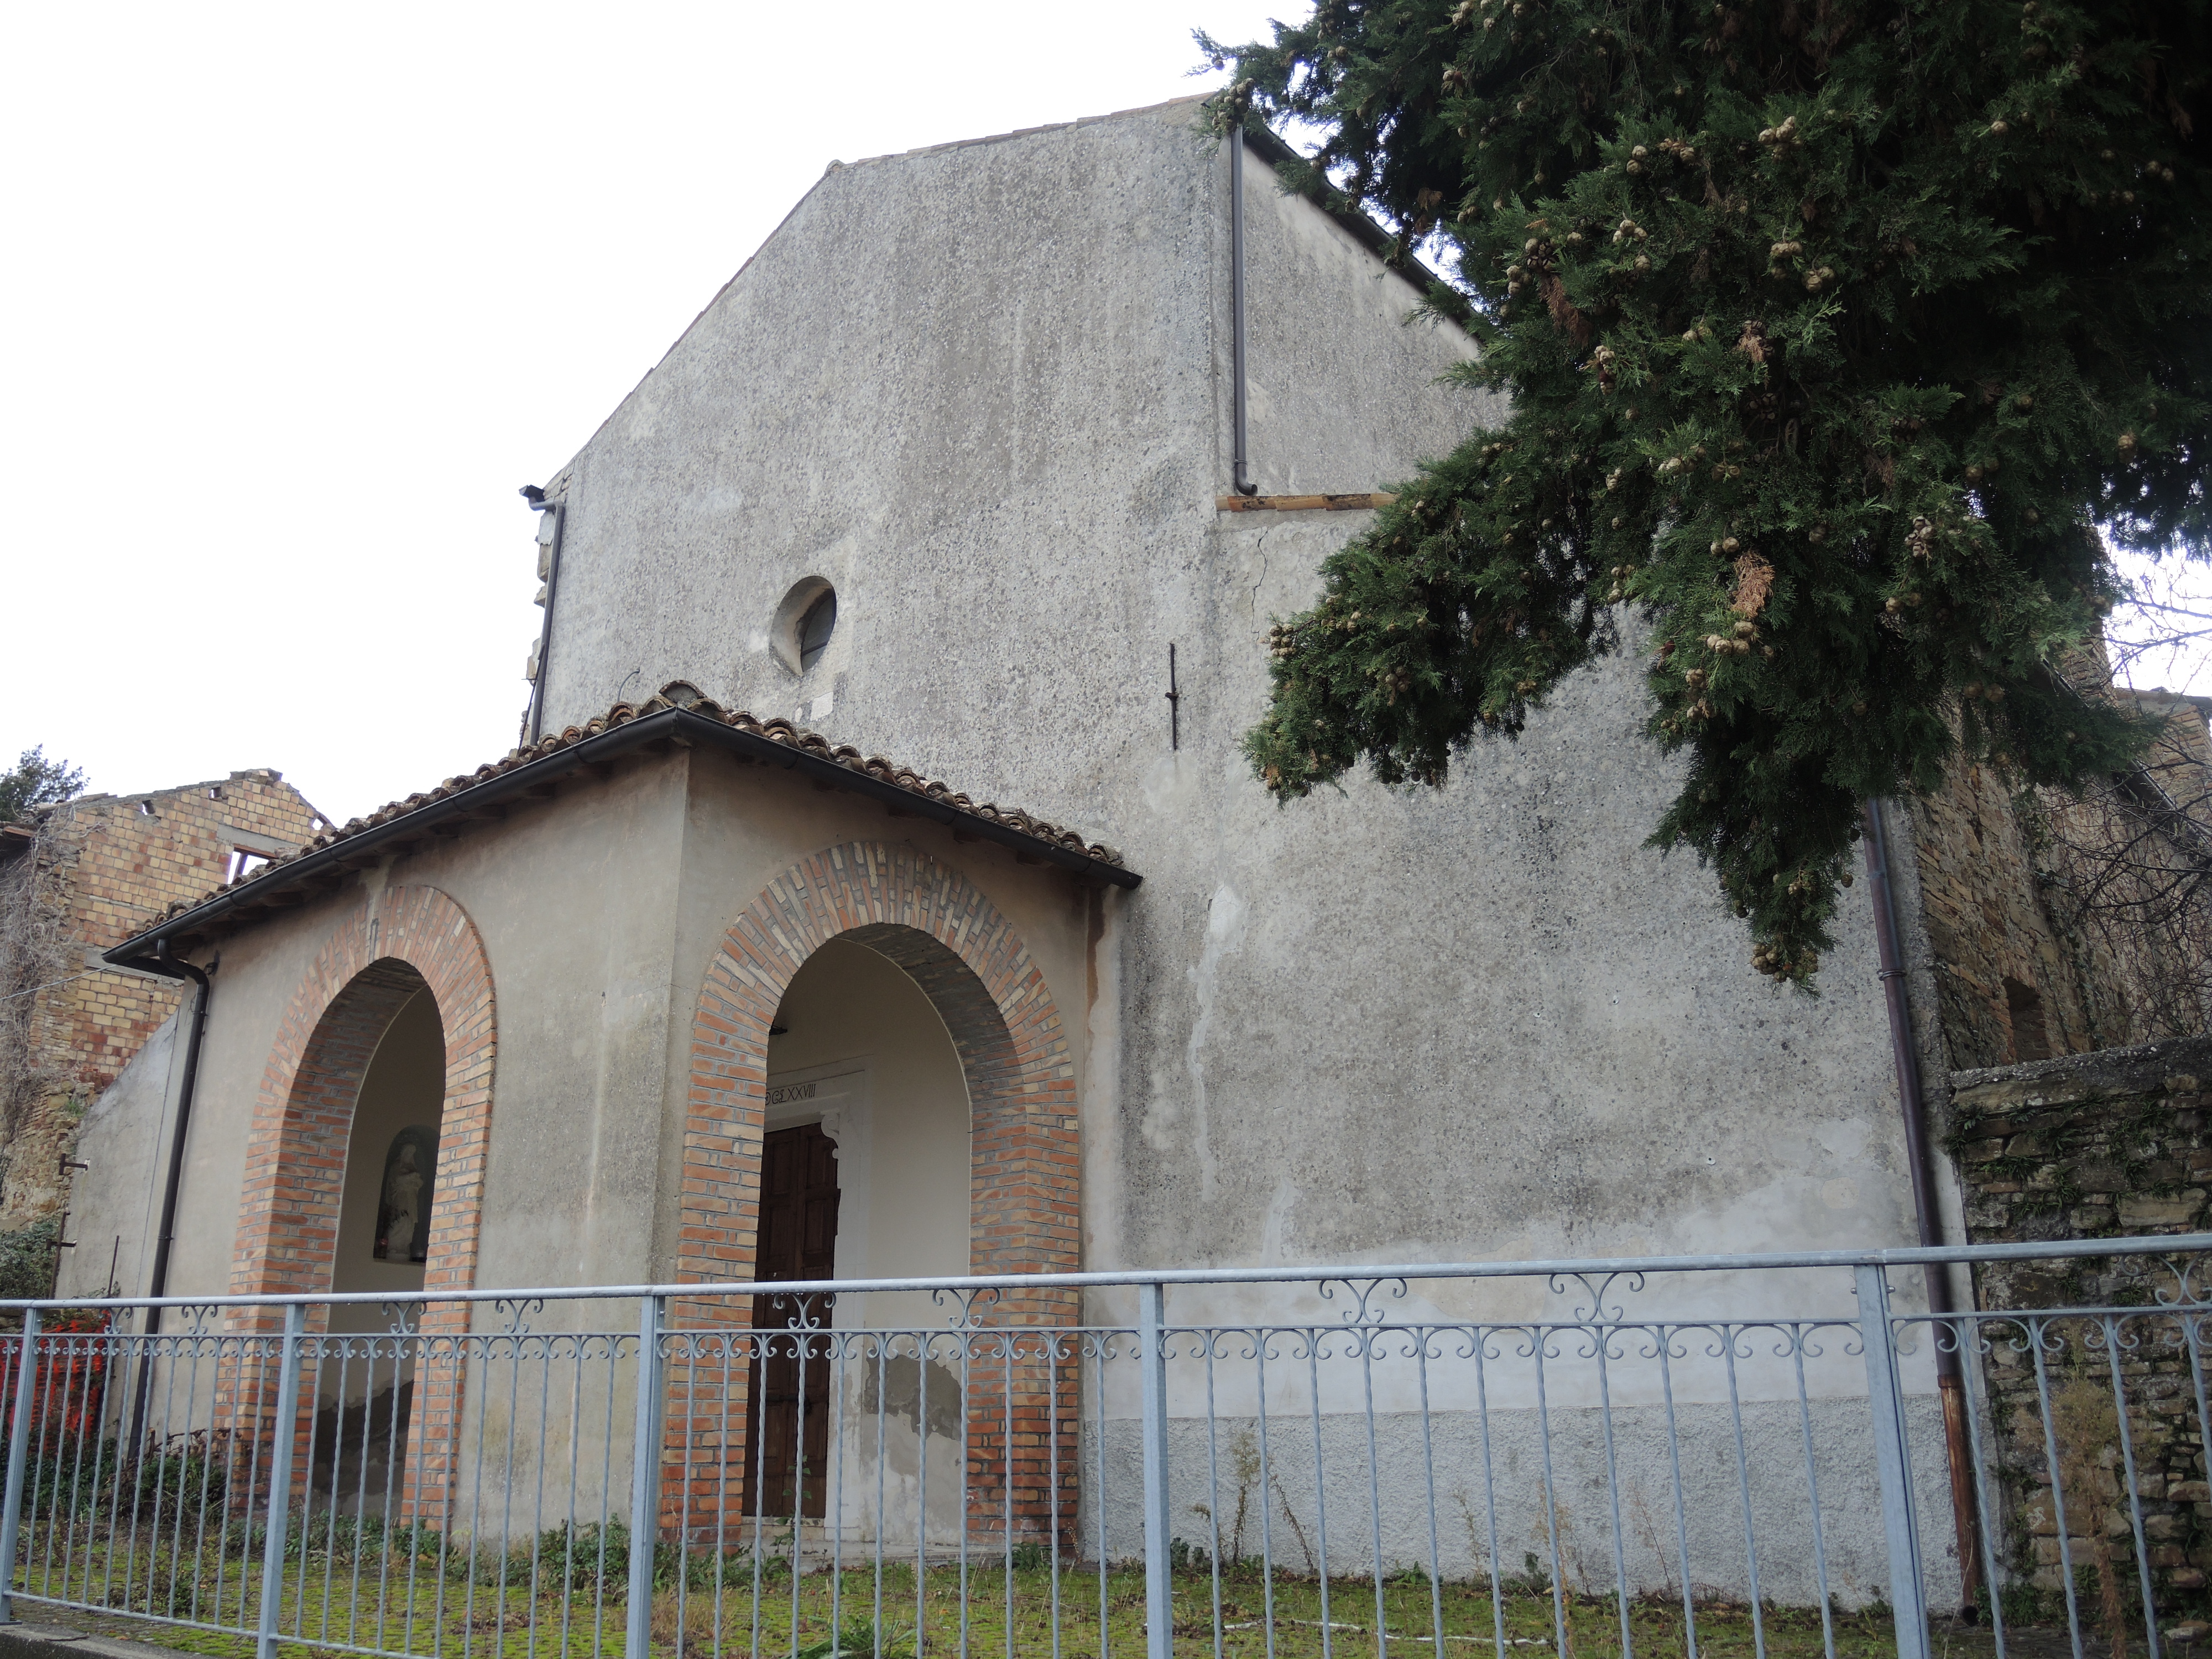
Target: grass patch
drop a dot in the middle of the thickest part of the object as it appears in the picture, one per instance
(411, 1590)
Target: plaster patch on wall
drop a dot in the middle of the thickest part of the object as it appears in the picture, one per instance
(373, 881)
(1170, 785)
(1102, 1092)
(1224, 937)
(1843, 1137)
(1272, 1250)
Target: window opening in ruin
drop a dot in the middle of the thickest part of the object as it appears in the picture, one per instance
(2031, 1037)
(242, 860)
(814, 630)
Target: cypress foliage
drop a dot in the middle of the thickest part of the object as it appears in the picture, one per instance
(1832, 329)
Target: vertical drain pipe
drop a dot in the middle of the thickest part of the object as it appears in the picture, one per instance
(1240, 462)
(1950, 1380)
(165, 1236)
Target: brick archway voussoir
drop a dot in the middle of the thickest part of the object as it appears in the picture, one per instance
(379, 953)
(968, 957)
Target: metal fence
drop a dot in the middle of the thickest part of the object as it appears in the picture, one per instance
(1701, 1455)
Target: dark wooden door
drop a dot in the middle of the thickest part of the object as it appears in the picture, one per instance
(787, 1438)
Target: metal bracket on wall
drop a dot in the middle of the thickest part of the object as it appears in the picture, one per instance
(1175, 704)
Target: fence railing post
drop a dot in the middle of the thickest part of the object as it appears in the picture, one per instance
(645, 1477)
(278, 1516)
(19, 1451)
(1908, 1595)
(1159, 1586)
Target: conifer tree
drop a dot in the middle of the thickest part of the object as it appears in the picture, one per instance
(1833, 331)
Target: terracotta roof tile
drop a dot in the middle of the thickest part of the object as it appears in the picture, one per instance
(677, 694)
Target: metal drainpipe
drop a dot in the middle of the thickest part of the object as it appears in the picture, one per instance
(1950, 1381)
(1240, 462)
(535, 497)
(158, 1283)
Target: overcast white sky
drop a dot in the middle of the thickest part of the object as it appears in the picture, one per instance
(297, 297)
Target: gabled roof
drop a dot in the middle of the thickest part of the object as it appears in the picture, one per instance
(677, 714)
(1264, 142)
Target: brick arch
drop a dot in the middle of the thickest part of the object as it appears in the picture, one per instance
(380, 953)
(934, 922)
(1024, 1162)
(385, 949)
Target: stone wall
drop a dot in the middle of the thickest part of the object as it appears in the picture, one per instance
(2084, 1146)
(2059, 925)
(98, 869)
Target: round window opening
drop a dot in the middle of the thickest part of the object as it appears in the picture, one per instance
(815, 628)
(804, 622)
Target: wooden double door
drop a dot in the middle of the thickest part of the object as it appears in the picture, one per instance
(787, 1426)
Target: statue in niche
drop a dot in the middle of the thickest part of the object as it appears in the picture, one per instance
(403, 1208)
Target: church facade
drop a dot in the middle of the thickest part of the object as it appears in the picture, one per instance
(742, 963)
(1482, 1021)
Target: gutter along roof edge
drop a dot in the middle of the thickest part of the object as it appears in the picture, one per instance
(663, 727)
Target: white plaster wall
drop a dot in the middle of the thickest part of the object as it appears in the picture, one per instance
(1477, 1022)
(1489, 1482)
(115, 1207)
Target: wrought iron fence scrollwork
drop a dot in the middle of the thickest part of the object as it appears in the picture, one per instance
(1364, 1310)
(514, 1313)
(2184, 1292)
(1286, 1467)
(964, 1300)
(1597, 1288)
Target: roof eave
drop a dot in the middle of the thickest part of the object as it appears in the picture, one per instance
(1273, 149)
(667, 727)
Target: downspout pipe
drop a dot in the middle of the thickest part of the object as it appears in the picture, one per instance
(172, 967)
(533, 727)
(1241, 458)
(1950, 1381)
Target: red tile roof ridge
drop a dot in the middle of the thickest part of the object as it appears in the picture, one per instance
(676, 694)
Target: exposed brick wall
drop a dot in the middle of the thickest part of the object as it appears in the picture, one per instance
(1025, 1169)
(108, 864)
(2093, 1146)
(380, 953)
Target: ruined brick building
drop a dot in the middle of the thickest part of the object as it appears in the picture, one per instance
(82, 878)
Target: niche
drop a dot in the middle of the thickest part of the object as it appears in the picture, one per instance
(403, 1208)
